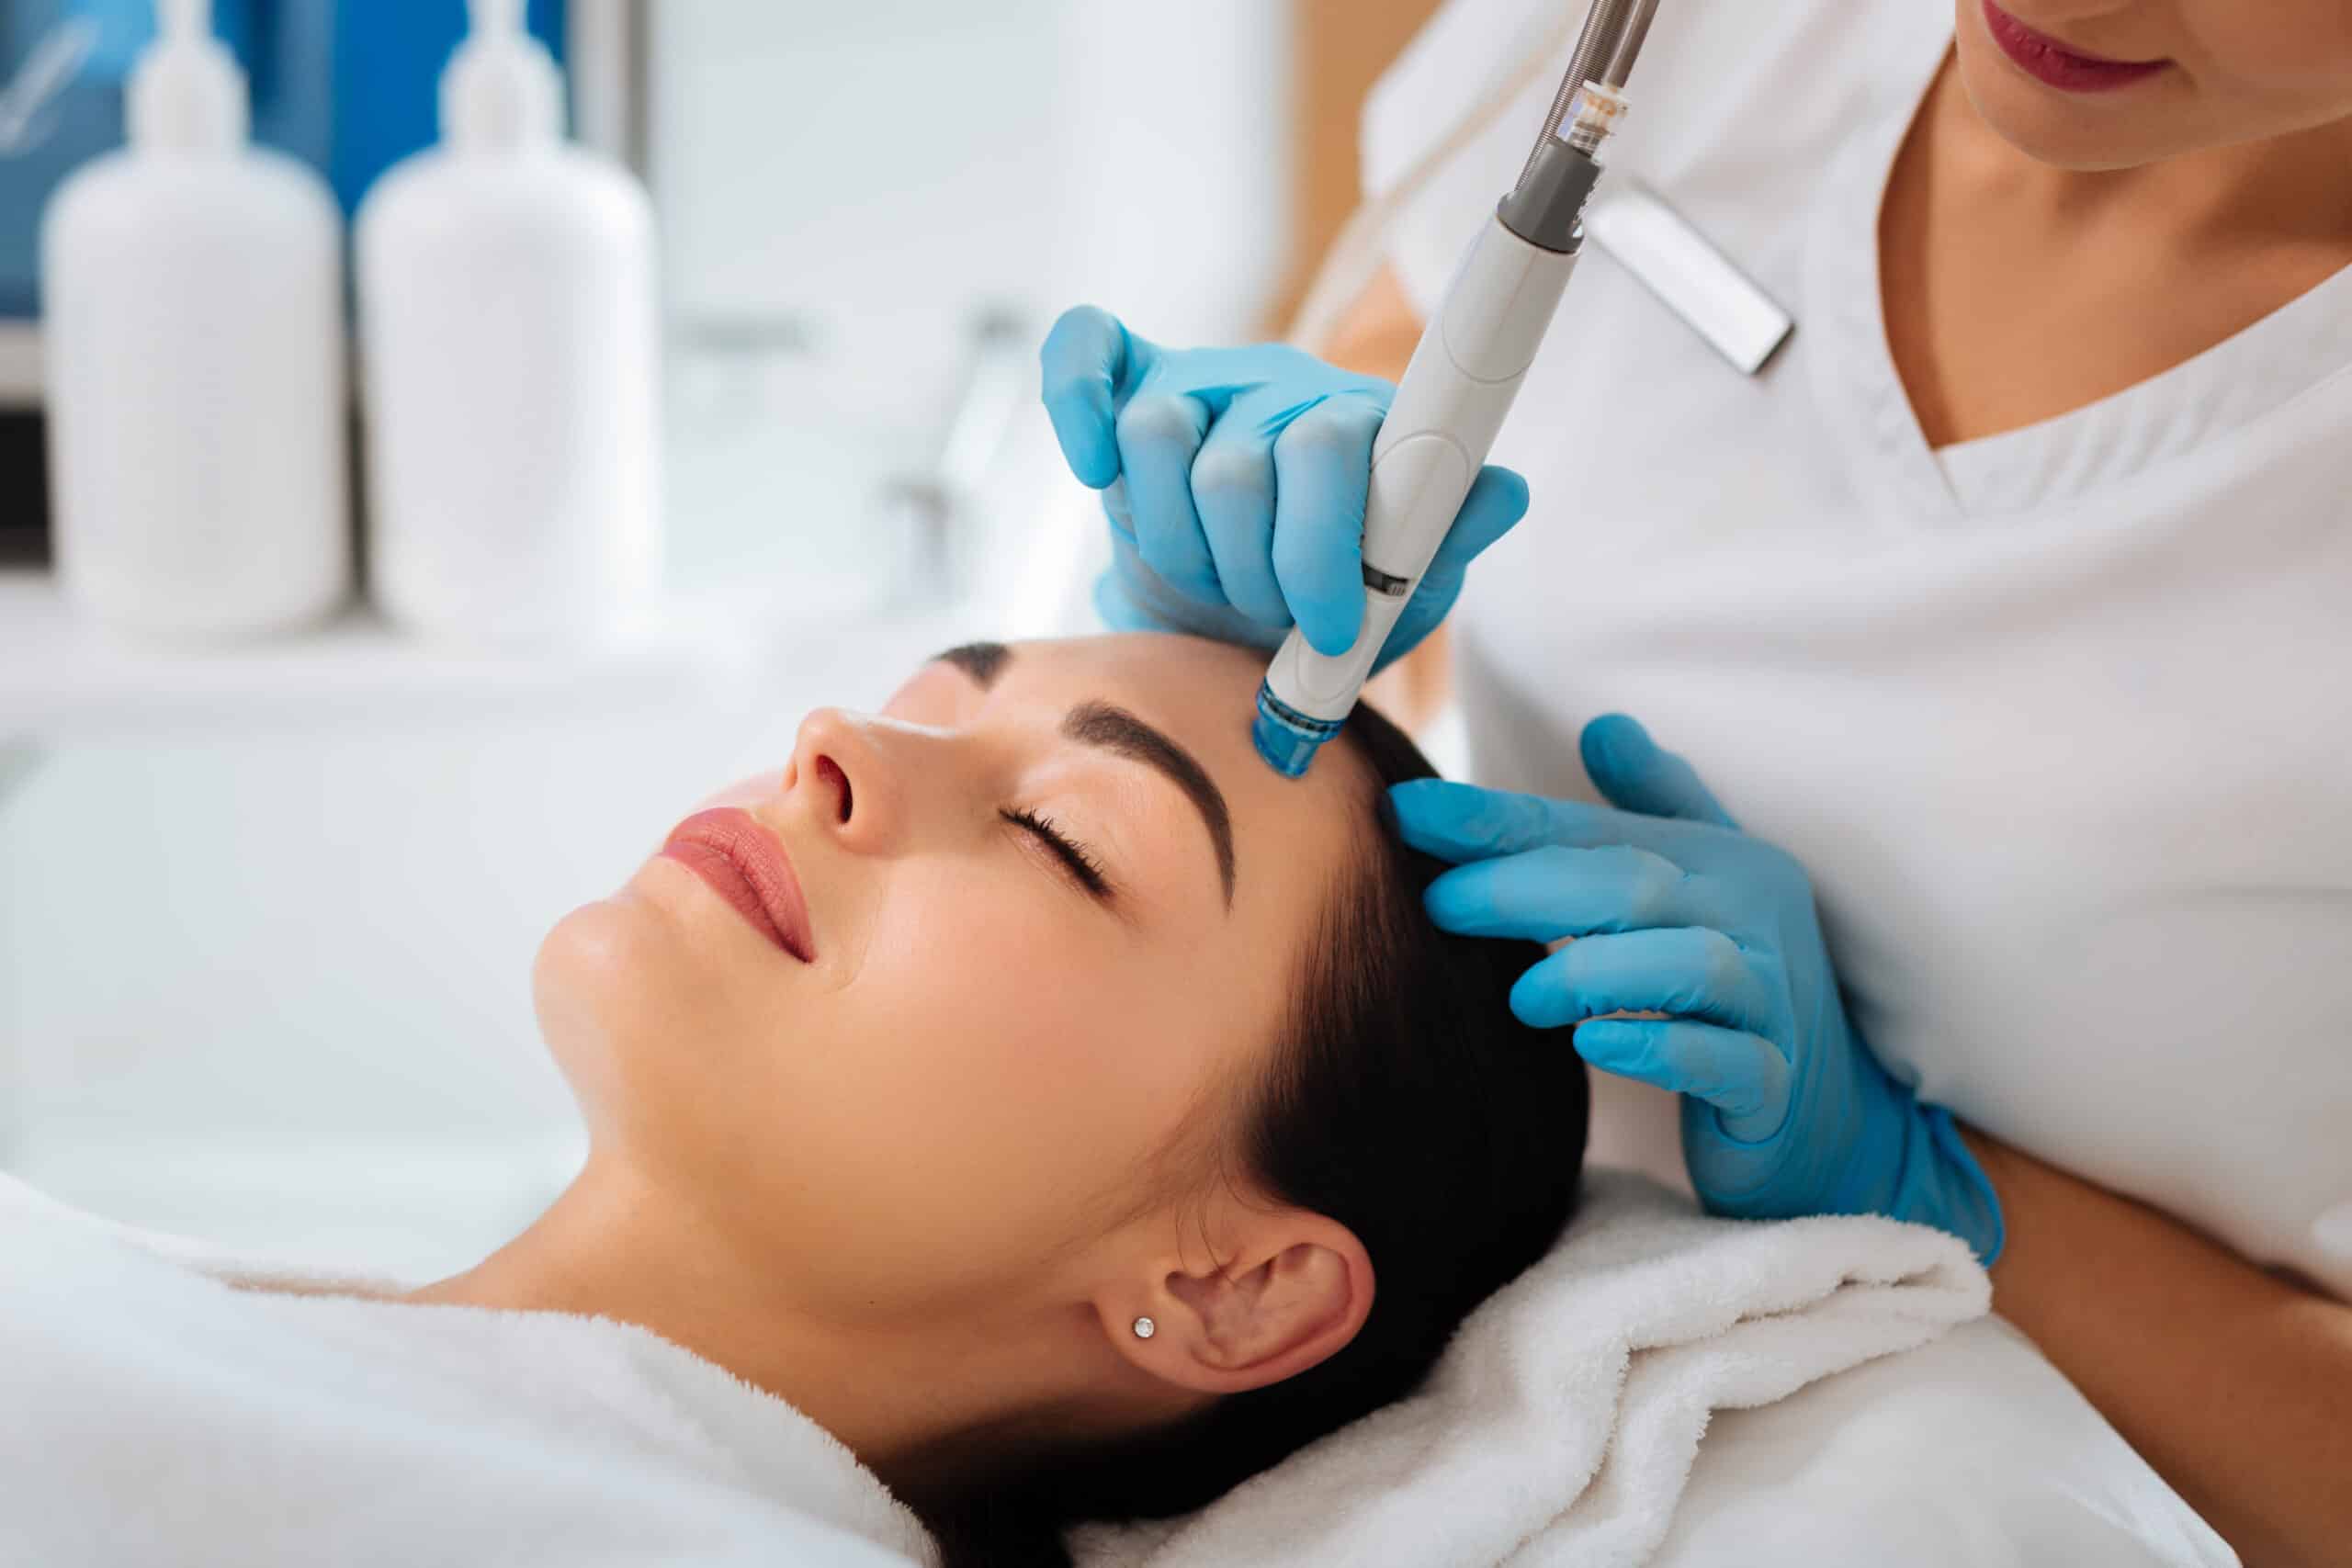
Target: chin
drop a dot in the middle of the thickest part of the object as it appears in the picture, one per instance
(2087, 136)
(2054, 137)
(603, 980)
(658, 1032)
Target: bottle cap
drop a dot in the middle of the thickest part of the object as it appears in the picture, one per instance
(186, 93)
(502, 90)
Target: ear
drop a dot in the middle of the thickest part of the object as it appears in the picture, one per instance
(1289, 1289)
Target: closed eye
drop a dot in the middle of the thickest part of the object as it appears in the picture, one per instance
(1083, 868)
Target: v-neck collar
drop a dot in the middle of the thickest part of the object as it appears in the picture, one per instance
(2227, 386)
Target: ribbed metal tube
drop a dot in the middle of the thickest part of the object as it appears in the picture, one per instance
(1612, 36)
(1604, 28)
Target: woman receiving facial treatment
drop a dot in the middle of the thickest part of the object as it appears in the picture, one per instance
(1024, 1085)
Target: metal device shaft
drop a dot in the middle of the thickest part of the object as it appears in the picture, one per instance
(1465, 374)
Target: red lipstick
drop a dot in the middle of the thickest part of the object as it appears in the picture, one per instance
(2069, 70)
(745, 864)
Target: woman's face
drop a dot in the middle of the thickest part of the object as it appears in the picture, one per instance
(998, 1048)
(2232, 71)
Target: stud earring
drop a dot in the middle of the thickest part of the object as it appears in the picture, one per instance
(1145, 1328)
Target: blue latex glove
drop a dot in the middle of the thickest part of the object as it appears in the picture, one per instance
(1785, 1111)
(1235, 482)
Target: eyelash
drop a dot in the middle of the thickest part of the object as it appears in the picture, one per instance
(1076, 857)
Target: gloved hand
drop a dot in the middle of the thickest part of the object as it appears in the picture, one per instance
(1785, 1111)
(1235, 482)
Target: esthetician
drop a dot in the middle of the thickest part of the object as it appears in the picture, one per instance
(2007, 611)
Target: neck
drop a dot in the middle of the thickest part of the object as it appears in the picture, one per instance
(2015, 291)
(2295, 187)
(930, 1404)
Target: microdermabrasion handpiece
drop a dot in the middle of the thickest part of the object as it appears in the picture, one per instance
(1464, 375)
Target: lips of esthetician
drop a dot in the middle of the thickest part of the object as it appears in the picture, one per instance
(2046, 59)
(744, 864)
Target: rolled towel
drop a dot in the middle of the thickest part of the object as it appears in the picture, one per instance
(1560, 1424)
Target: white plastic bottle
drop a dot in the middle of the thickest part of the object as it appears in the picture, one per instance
(192, 325)
(510, 355)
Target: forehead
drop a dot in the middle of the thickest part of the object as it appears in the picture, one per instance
(1204, 695)
(1230, 977)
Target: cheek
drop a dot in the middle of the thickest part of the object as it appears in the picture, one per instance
(997, 1003)
(2292, 57)
(1000, 1068)
(2279, 39)
(983, 1090)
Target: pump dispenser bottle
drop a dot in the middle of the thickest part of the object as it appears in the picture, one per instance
(511, 362)
(192, 326)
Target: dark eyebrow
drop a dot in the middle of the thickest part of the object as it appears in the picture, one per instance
(1117, 729)
(983, 661)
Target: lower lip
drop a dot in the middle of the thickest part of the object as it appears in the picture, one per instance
(722, 846)
(2051, 63)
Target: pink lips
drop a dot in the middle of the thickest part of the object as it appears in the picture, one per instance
(2046, 59)
(744, 864)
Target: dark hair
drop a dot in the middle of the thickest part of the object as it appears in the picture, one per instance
(1408, 1104)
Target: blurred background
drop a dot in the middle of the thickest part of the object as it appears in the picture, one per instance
(267, 912)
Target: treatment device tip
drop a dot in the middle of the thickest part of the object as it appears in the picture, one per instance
(1286, 737)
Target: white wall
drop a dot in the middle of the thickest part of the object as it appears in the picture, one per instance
(842, 189)
(877, 170)
(273, 989)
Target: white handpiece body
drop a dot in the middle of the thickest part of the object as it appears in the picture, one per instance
(1456, 391)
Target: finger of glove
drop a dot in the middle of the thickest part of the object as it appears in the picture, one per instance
(1433, 600)
(1117, 606)
(1495, 501)
(1742, 1075)
(1132, 598)
(1089, 362)
(1686, 972)
(1234, 482)
(1461, 822)
(1552, 892)
(1116, 512)
(1323, 468)
(1634, 773)
(1159, 435)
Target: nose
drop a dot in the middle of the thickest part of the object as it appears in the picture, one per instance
(844, 776)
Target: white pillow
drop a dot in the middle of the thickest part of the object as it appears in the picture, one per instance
(1967, 1452)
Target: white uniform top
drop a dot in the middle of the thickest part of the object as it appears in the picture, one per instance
(2060, 721)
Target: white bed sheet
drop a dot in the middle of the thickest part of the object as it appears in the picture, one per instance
(1971, 1452)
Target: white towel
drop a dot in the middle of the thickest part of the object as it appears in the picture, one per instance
(1560, 1426)
(152, 1415)
(149, 1413)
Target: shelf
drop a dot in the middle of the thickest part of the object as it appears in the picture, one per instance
(62, 676)
(787, 557)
